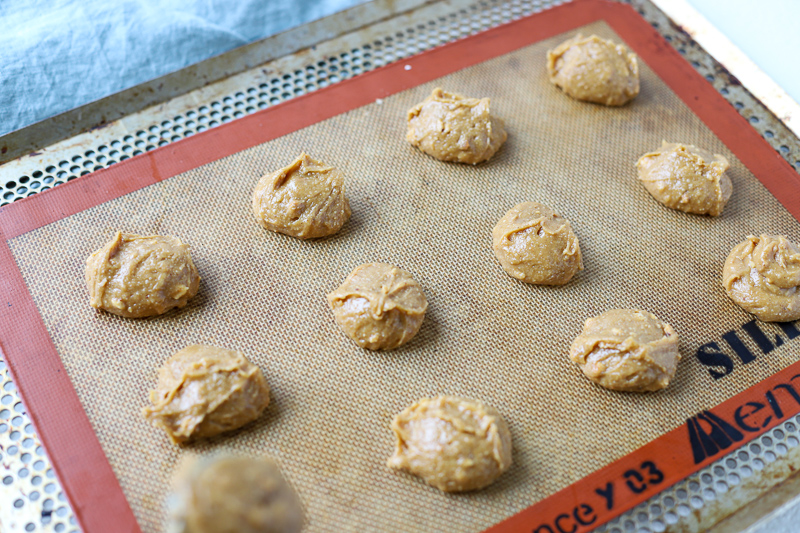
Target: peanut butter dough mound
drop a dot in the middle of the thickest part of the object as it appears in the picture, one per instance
(762, 275)
(305, 199)
(535, 245)
(379, 306)
(454, 444)
(627, 350)
(203, 391)
(594, 70)
(230, 494)
(451, 127)
(687, 178)
(136, 276)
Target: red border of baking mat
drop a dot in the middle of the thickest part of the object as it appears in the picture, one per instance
(65, 431)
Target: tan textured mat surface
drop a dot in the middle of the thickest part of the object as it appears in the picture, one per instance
(486, 335)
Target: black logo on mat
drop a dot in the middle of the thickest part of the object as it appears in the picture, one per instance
(720, 361)
(707, 443)
(710, 434)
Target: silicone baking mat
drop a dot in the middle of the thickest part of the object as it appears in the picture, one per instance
(581, 454)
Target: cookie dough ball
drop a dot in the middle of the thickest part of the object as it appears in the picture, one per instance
(762, 275)
(595, 70)
(230, 494)
(686, 178)
(136, 276)
(454, 444)
(379, 306)
(535, 245)
(203, 391)
(451, 127)
(627, 350)
(305, 200)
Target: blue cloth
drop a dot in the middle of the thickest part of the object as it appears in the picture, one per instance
(60, 54)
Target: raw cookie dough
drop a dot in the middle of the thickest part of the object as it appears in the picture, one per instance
(454, 444)
(535, 245)
(231, 494)
(305, 199)
(595, 70)
(379, 306)
(451, 127)
(762, 275)
(687, 178)
(203, 391)
(627, 350)
(136, 276)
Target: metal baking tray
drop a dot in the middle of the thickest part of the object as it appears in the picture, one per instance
(35, 499)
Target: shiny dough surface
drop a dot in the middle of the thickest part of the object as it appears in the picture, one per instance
(451, 127)
(762, 275)
(379, 306)
(306, 199)
(454, 444)
(595, 70)
(536, 245)
(627, 350)
(203, 391)
(686, 178)
(137, 276)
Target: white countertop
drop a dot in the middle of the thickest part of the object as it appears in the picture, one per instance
(766, 31)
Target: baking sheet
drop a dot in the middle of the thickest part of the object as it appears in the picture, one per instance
(485, 336)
